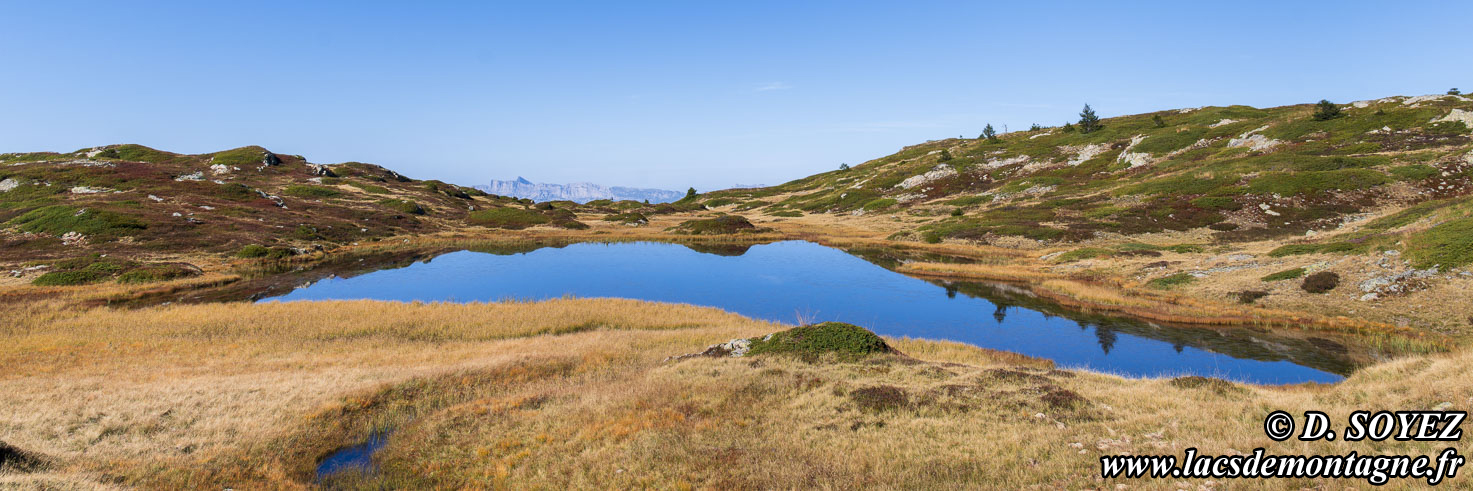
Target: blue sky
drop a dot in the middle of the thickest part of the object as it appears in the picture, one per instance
(673, 94)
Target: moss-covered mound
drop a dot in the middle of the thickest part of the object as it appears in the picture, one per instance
(725, 224)
(95, 268)
(159, 272)
(403, 206)
(507, 218)
(812, 341)
(98, 225)
(632, 218)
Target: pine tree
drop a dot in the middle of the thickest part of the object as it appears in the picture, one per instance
(843, 166)
(1088, 121)
(945, 156)
(1454, 91)
(1068, 127)
(989, 133)
(1035, 127)
(1326, 110)
(1160, 123)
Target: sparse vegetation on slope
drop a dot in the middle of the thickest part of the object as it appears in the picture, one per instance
(1240, 173)
(132, 200)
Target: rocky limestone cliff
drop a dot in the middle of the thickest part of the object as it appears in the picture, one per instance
(581, 192)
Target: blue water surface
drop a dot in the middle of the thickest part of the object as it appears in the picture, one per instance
(786, 281)
(357, 458)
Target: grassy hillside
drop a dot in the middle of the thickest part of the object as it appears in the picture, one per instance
(1236, 173)
(64, 211)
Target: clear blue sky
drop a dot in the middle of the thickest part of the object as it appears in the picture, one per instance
(673, 94)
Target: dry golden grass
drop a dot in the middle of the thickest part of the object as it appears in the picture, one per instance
(978, 271)
(578, 393)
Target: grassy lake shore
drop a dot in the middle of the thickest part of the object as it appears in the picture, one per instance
(500, 395)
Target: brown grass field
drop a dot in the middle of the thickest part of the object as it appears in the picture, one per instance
(579, 393)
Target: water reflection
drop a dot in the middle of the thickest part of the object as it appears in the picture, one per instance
(773, 281)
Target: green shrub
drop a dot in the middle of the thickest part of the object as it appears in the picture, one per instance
(252, 250)
(725, 224)
(1326, 110)
(450, 190)
(369, 188)
(134, 153)
(879, 204)
(1407, 216)
(787, 213)
(1185, 248)
(570, 224)
(631, 218)
(64, 278)
(1287, 274)
(234, 191)
(507, 218)
(1083, 253)
(256, 250)
(1449, 245)
(306, 191)
(1216, 203)
(1413, 172)
(98, 225)
(1294, 183)
(1168, 282)
(158, 272)
(91, 268)
(403, 206)
(1328, 248)
(245, 157)
(1320, 282)
(846, 341)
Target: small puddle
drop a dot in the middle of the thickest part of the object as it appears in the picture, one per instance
(357, 458)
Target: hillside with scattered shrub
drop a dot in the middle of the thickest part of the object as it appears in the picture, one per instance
(1302, 173)
(251, 202)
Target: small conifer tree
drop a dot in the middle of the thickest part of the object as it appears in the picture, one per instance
(1088, 121)
(1326, 110)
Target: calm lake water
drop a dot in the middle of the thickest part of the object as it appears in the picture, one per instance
(785, 280)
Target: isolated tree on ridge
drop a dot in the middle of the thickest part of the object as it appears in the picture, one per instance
(1326, 110)
(989, 133)
(1088, 121)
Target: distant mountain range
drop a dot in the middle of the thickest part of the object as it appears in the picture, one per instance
(581, 192)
